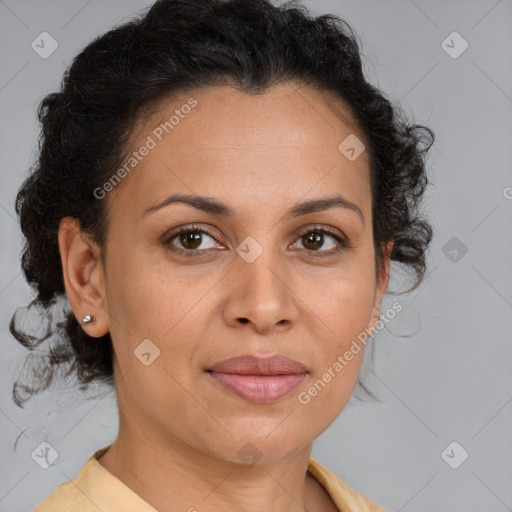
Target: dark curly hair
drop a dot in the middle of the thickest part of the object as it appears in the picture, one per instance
(175, 46)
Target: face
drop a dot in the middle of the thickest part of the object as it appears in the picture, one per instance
(249, 278)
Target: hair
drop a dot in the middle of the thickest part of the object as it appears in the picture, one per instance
(172, 47)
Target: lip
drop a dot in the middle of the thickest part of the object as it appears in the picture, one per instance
(254, 365)
(260, 380)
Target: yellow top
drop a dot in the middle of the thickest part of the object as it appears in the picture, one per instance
(97, 490)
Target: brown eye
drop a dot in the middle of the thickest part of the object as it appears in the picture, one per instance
(190, 241)
(196, 241)
(321, 242)
(313, 240)
(317, 240)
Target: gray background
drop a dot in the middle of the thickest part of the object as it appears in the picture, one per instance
(450, 380)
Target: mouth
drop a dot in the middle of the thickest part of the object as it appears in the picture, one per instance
(259, 380)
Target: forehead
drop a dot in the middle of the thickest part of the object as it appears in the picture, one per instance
(219, 140)
(223, 112)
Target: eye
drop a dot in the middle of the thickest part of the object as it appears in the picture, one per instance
(191, 240)
(314, 238)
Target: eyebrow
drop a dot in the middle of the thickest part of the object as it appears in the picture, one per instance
(215, 207)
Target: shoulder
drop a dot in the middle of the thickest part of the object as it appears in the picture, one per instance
(94, 489)
(78, 495)
(345, 497)
(69, 497)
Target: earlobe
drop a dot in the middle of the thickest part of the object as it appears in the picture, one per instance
(83, 276)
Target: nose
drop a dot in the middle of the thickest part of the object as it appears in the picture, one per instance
(262, 295)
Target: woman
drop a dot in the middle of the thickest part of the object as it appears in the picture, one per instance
(219, 195)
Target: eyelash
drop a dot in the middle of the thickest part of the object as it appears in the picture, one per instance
(195, 253)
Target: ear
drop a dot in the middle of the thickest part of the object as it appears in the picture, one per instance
(83, 276)
(382, 285)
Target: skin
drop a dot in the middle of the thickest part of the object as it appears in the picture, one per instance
(179, 431)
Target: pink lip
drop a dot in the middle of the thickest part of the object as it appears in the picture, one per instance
(259, 380)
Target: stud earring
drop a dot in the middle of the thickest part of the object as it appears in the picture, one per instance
(88, 319)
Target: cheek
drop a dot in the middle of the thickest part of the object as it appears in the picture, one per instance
(155, 324)
(337, 357)
(152, 328)
(147, 300)
(343, 307)
(352, 314)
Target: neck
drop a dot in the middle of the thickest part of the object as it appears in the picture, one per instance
(174, 477)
